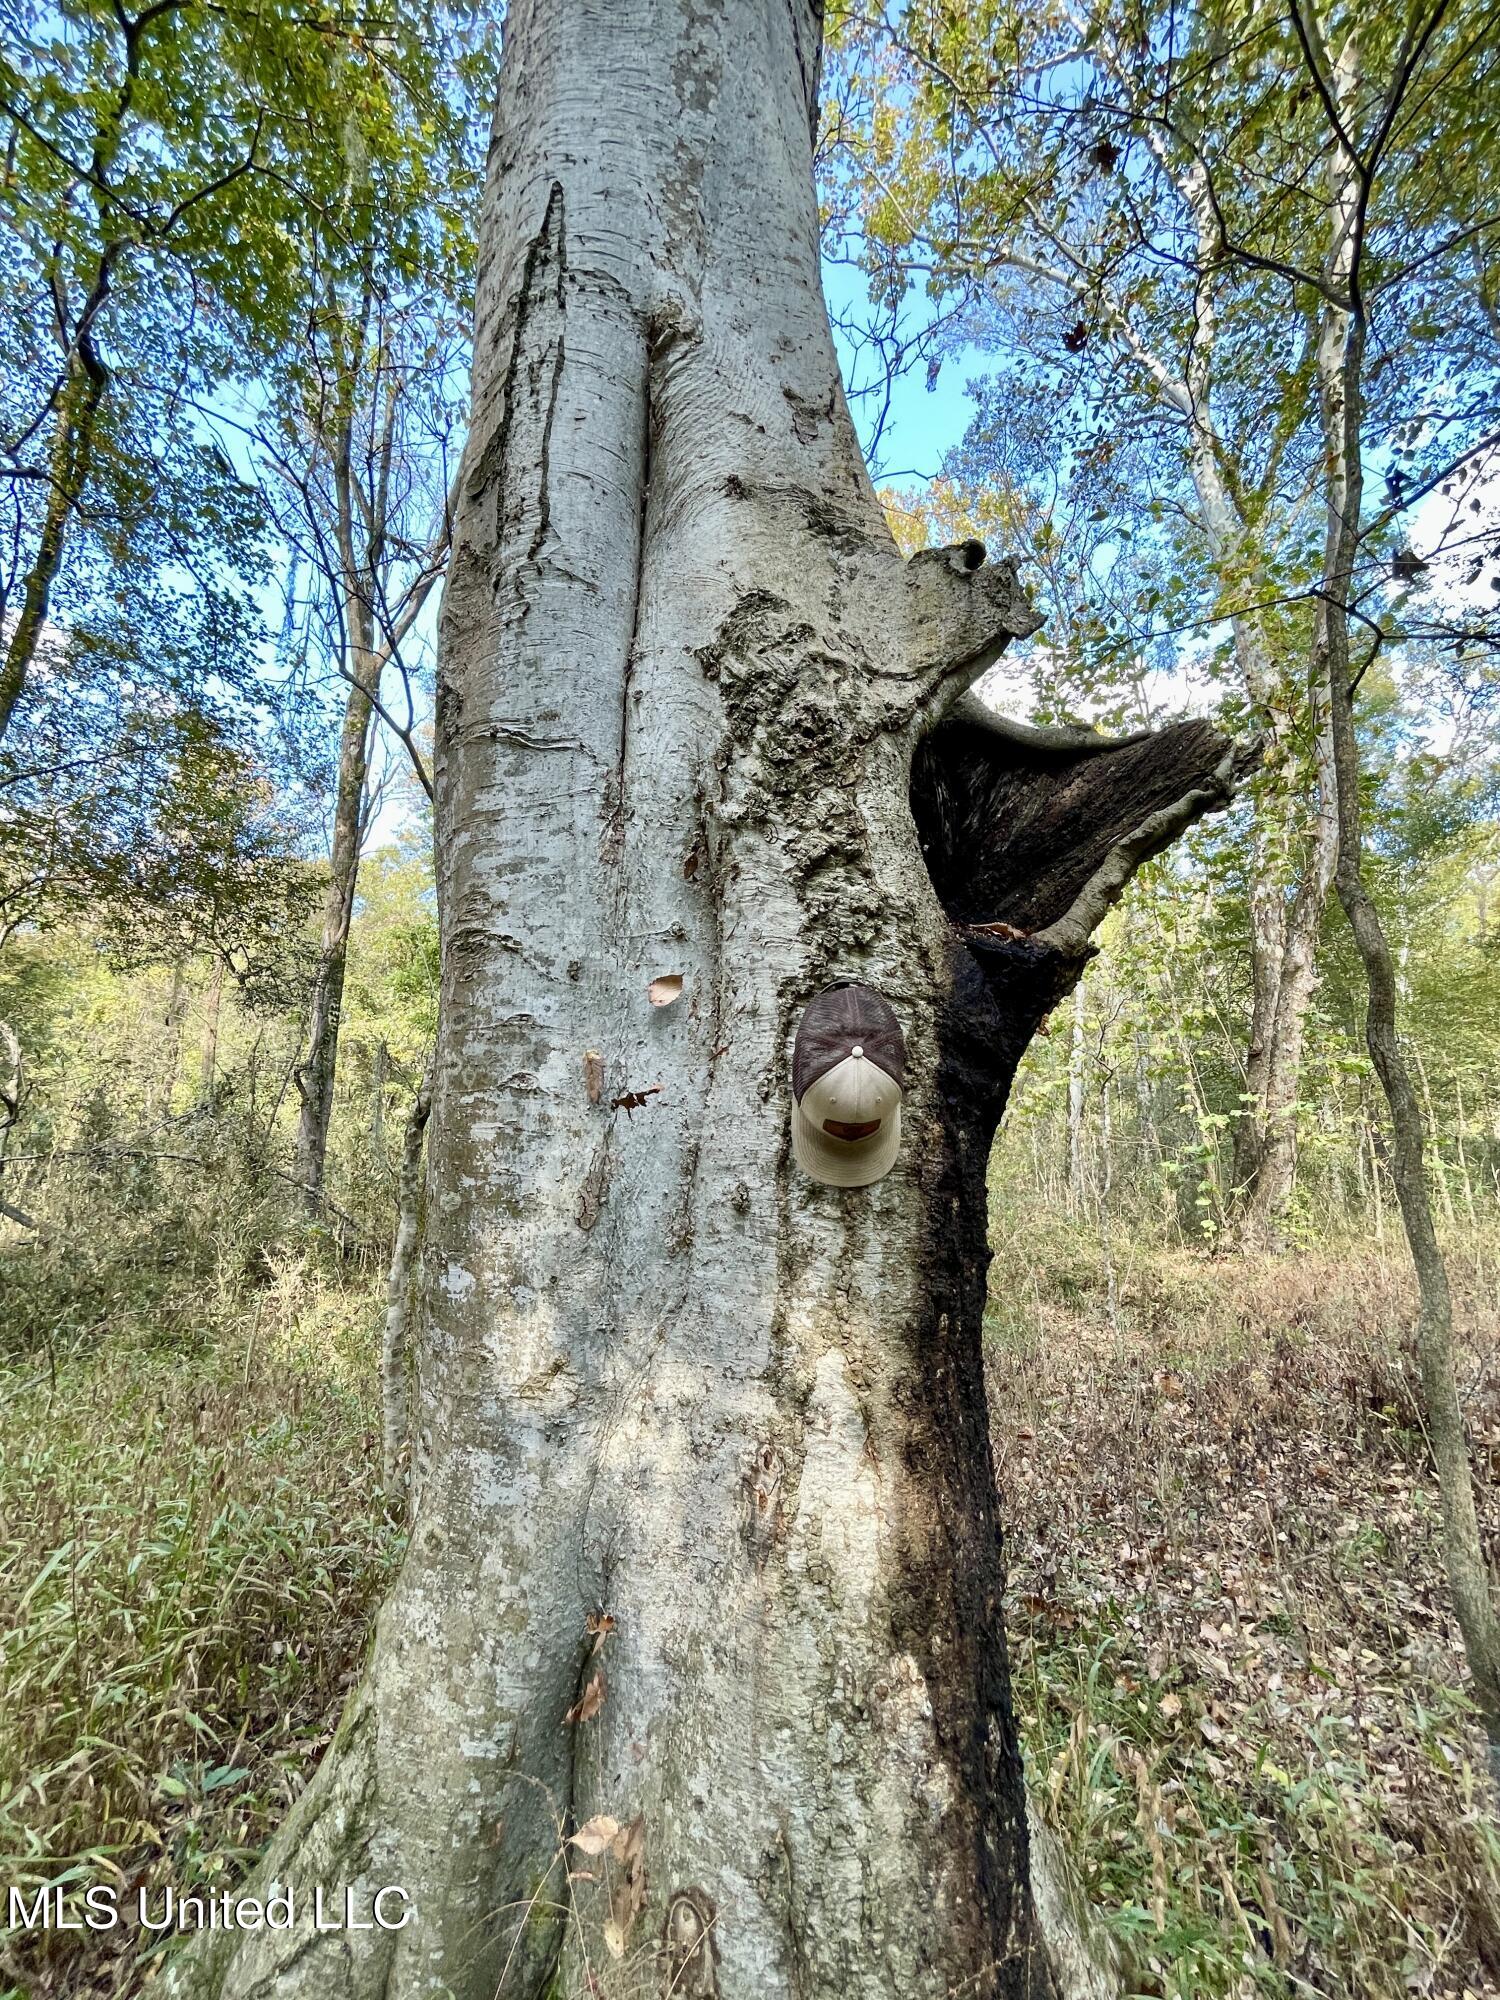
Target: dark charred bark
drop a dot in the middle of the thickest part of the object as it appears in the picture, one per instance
(1015, 825)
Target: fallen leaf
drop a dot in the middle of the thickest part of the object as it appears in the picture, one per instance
(1170, 1705)
(632, 1100)
(590, 1701)
(997, 930)
(595, 1834)
(628, 1898)
(663, 991)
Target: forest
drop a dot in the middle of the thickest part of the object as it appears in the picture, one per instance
(425, 804)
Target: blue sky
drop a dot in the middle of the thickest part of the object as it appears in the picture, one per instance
(921, 425)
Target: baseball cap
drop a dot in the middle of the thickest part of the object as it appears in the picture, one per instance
(848, 1067)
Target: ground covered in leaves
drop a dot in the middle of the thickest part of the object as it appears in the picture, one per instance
(1240, 1683)
(1239, 1686)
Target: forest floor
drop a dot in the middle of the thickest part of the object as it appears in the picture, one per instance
(1232, 1655)
(1238, 1682)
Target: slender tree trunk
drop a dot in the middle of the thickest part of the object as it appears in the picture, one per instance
(316, 1074)
(208, 1058)
(1291, 869)
(1463, 1553)
(1264, 1196)
(1340, 355)
(72, 451)
(378, 1070)
(1267, 944)
(395, 1360)
(705, 1537)
(162, 1087)
(1149, 1139)
(1075, 1103)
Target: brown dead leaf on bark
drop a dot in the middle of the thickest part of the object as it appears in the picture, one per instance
(665, 989)
(997, 930)
(595, 1834)
(633, 1100)
(628, 1897)
(598, 1626)
(590, 1701)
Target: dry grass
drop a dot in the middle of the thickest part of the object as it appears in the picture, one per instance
(1239, 1682)
(192, 1539)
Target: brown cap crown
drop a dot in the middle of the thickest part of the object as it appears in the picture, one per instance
(841, 1018)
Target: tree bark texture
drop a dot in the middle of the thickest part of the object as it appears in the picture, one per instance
(705, 1538)
(395, 1353)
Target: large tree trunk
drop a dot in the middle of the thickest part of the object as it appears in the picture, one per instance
(700, 1448)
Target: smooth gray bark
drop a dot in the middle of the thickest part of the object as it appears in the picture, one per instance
(705, 1539)
(395, 1353)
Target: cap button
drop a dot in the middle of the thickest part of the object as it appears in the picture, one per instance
(856, 1050)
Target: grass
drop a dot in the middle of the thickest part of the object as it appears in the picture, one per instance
(192, 1540)
(1239, 1686)
(1239, 1683)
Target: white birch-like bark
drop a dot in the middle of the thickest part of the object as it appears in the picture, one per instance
(395, 1348)
(700, 1450)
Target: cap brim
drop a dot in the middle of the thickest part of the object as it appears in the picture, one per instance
(840, 1162)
